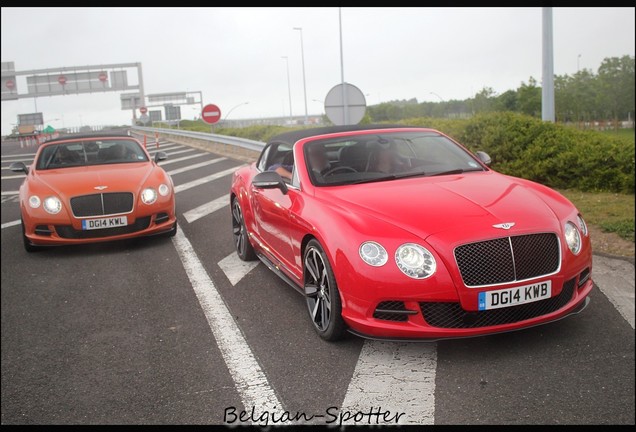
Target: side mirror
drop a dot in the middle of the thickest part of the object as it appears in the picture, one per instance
(269, 180)
(483, 156)
(159, 156)
(19, 167)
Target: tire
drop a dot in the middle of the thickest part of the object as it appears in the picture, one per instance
(244, 248)
(322, 294)
(28, 246)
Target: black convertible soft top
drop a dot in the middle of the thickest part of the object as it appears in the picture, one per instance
(292, 136)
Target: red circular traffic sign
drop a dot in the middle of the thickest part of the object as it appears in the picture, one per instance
(211, 114)
(61, 79)
(143, 110)
(10, 84)
(103, 77)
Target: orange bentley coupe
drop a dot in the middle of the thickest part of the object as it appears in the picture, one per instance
(94, 188)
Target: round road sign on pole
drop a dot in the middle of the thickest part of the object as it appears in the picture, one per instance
(211, 114)
(10, 84)
(143, 110)
(61, 79)
(103, 77)
(335, 106)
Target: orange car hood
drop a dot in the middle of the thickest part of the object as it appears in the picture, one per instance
(85, 180)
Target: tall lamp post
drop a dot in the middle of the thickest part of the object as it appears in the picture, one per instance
(232, 109)
(302, 54)
(291, 118)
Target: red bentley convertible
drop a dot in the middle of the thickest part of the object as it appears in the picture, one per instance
(401, 233)
(92, 188)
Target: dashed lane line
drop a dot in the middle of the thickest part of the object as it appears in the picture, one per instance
(249, 378)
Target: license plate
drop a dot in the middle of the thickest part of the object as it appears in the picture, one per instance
(515, 296)
(113, 222)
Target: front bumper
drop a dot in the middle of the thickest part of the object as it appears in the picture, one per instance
(430, 321)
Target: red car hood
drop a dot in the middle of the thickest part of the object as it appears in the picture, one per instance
(83, 180)
(460, 206)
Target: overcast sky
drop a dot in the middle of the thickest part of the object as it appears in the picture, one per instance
(233, 55)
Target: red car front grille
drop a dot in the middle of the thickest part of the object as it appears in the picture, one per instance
(508, 259)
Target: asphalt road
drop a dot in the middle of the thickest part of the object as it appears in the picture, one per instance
(176, 331)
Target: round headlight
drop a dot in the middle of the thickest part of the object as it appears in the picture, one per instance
(373, 254)
(52, 205)
(573, 238)
(582, 225)
(34, 201)
(149, 195)
(163, 189)
(415, 261)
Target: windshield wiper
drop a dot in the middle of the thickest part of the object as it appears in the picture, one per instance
(390, 177)
(455, 171)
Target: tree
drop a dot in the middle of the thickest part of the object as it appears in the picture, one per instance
(529, 98)
(616, 85)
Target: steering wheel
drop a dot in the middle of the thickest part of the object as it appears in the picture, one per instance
(340, 168)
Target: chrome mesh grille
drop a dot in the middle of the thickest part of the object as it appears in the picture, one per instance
(508, 259)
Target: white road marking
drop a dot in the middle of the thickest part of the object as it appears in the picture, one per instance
(10, 192)
(179, 151)
(19, 154)
(169, 161)
(615, 278)
(202, 180)
(195, 166)
(395, 376)
(235, 268)
(16, 160)
(206, 209)
(10, 224)
(172, 146)
(13, 176)
(249, 379)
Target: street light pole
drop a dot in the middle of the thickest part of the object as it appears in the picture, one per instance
(302, 54)
(344, 89)
(577, 62)
(291, 118)
(232, 109)
(435, 94)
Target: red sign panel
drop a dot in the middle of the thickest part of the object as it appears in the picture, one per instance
(211, 114)
(61, 79)
(143, 110)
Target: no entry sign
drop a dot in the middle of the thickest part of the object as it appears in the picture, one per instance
(211, 114)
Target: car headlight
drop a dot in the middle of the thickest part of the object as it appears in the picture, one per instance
(373, 254)
(582, 225)
(573, 238)
(34, 201)
(163, 189)
(52, 205)
(149, 195)
(415, 261)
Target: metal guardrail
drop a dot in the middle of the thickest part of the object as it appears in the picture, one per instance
(223, 139)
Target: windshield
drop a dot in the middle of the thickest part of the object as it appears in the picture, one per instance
(90, 152)
(385, 157)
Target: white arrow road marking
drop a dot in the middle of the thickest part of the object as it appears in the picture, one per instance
(249, 379)
(235, 268)
(393, 376)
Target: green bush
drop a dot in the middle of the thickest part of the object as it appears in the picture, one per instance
(553, 154)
